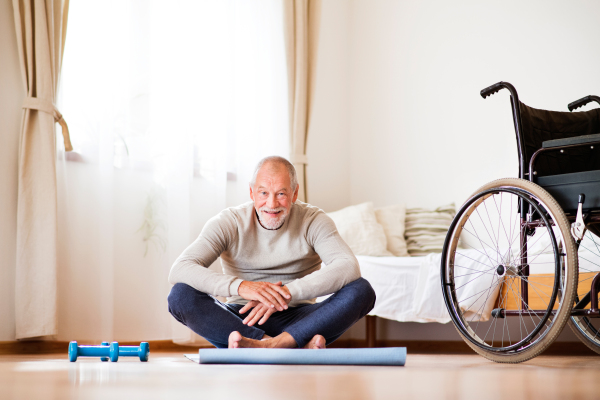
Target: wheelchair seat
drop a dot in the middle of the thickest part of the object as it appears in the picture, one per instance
(566, 187)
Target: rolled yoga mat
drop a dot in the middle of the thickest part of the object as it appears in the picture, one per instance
(375, 356)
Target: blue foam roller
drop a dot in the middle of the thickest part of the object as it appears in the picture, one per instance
(377, 356)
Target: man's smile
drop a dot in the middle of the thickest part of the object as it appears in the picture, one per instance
(272, 213)
(271, 218)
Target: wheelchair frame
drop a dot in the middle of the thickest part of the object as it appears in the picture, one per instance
(592, 296)
(531, 215)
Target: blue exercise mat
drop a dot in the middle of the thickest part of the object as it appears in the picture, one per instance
(377, 356)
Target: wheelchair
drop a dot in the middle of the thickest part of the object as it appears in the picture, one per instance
(526, 251)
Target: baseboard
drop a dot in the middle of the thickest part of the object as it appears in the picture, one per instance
(413, 347)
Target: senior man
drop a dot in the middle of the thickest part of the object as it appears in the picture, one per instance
(271, 251)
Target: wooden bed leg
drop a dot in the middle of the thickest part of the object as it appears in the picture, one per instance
(371, 330)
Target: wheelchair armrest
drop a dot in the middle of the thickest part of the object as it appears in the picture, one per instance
(572, 141)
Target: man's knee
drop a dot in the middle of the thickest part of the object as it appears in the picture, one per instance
(180, 299)
(362, 290)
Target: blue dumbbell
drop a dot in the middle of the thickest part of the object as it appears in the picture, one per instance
(104, 358)
(112, 351)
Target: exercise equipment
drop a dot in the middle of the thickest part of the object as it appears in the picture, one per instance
(104, 359)
(108, 351)
(377, 356)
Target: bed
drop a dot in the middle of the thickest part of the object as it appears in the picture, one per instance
(408, 289)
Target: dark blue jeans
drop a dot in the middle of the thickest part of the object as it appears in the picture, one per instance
(214, 320)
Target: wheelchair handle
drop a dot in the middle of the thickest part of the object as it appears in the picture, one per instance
(516, 111)
(583, 101)
(495, 88)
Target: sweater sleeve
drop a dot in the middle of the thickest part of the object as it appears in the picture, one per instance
(341, 264)
(191, 267)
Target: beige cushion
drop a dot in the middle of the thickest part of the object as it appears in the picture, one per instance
(426, 229)
(358, 227)
(391, 218)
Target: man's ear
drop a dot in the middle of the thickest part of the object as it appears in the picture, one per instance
(251, 192)
(296, 193)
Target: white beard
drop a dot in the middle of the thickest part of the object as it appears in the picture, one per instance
(269, 222)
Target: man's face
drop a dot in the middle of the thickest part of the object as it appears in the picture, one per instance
(272, 195)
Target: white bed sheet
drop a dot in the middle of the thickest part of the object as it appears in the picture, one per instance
(408, 289)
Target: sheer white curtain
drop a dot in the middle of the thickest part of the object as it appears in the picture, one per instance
(171, 104)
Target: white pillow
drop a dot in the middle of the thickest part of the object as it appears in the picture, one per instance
(358, 227)
(391, 218)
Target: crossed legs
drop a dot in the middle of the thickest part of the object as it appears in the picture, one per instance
(312, 325)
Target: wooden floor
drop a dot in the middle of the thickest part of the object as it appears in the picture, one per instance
(170, 375)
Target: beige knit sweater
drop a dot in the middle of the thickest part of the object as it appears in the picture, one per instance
(291, 254)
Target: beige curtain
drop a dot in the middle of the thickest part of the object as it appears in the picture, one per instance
(41, 30)
(302, 19)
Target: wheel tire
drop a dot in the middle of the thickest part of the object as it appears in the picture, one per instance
(570, 287)
(584, 338)
(578, 324)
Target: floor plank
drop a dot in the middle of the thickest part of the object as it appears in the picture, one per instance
(167, 375)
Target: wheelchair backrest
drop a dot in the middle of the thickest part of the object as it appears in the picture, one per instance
(538, 126)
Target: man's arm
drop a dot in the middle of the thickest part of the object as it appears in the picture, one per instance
(341, 264)
(192, 265)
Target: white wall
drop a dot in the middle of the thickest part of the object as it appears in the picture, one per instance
(397, 95)
(420, 133)
(11, 98)
(398, 85)
(328, 148)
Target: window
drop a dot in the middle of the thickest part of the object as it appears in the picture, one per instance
(187, 87)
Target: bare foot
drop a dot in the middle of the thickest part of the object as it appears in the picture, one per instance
(236, 341)
(317, 342)
(285, 340)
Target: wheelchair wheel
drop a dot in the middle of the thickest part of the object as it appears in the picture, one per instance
(509, 283)
(585, 328)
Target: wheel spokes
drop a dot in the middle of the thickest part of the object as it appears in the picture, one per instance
(486, 274)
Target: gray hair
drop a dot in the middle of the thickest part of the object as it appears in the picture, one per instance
(277, 160)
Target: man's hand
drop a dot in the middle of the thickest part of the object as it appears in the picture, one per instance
(260, 313)
(271, 295)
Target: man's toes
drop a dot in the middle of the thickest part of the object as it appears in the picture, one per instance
(234, 339)
(317, 342)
